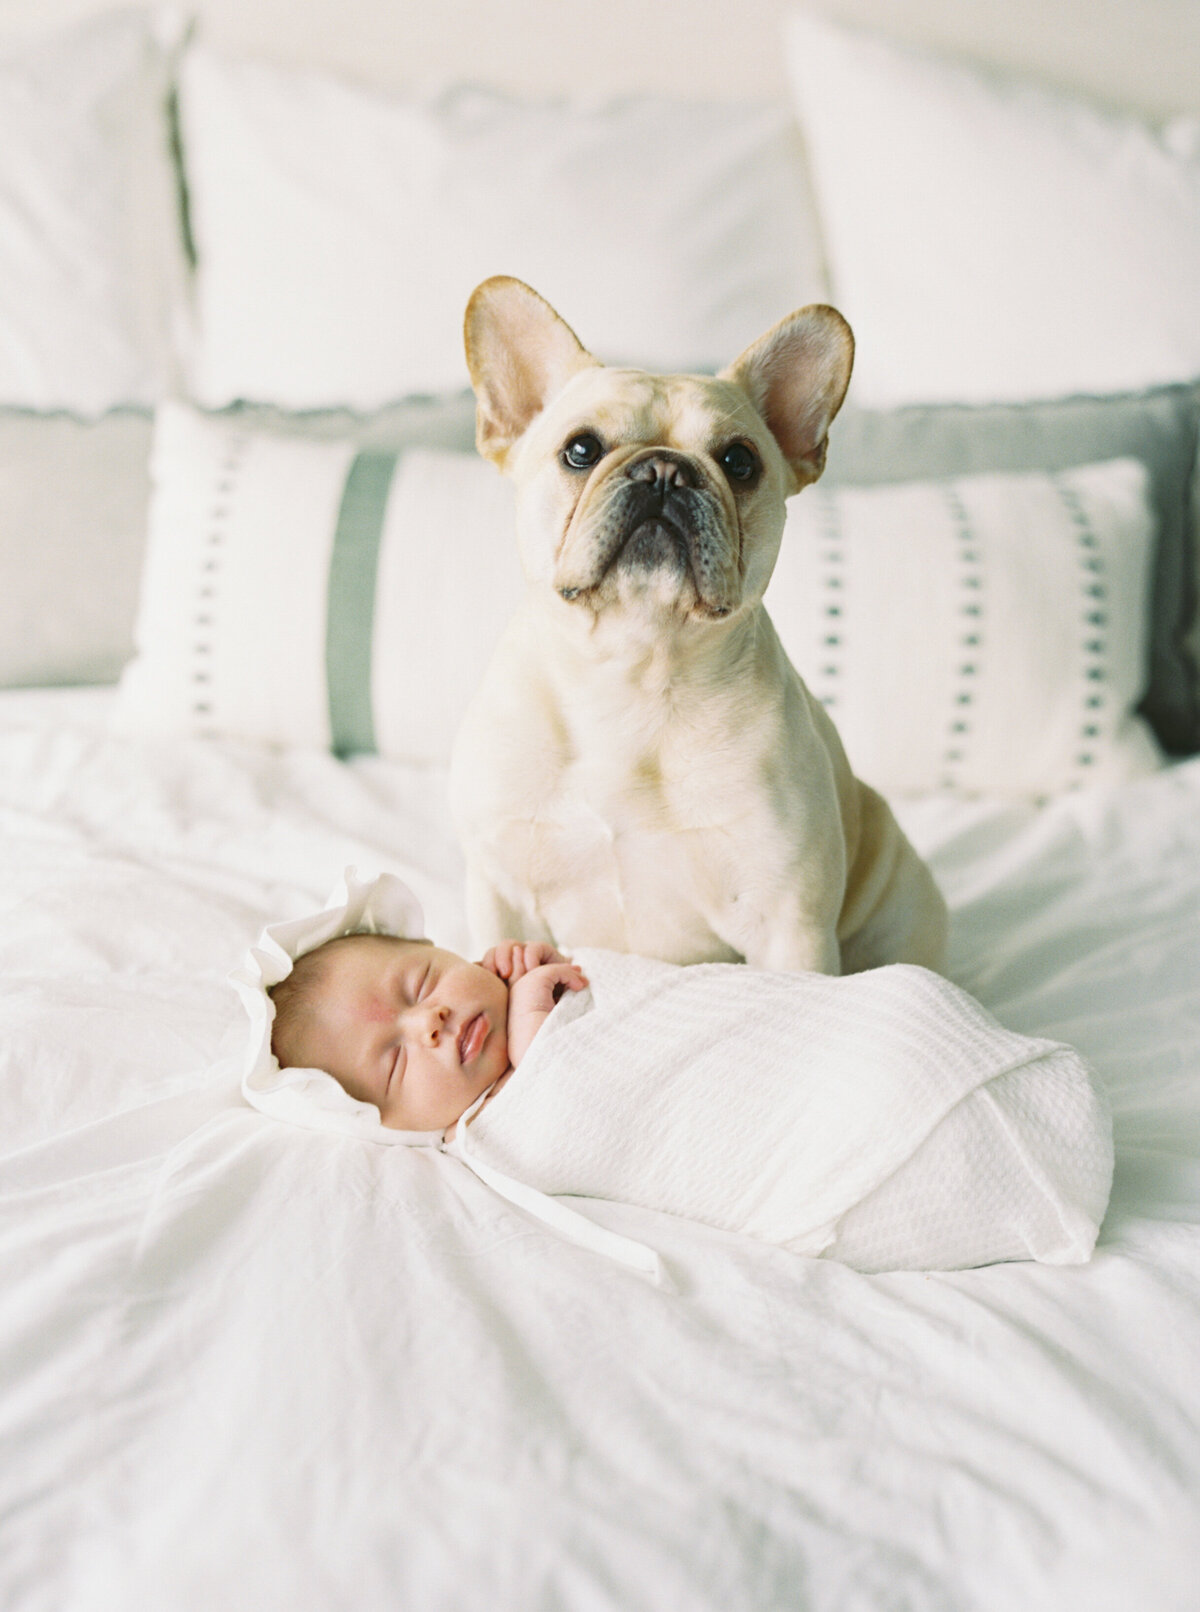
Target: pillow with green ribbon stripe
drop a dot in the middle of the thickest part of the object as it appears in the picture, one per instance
(315, 593)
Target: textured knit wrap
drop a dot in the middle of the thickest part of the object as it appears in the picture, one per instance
(884, 1119)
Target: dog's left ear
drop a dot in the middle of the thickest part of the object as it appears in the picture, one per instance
(797, 375)
(520, 353)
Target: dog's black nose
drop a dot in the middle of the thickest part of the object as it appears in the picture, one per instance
(667, 470)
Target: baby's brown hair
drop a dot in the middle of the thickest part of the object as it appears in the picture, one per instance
(295, 998)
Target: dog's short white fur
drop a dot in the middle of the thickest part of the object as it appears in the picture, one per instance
(642, 768)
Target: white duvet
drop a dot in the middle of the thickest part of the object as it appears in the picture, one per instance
(244, 1365)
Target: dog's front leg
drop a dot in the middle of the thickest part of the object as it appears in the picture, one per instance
(805, 951)
(491, 917)
(780, 934)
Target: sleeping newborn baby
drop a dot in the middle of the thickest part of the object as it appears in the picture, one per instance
(415, 1030)
(883, 1119)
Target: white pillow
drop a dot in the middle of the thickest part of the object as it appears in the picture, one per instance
(73, 498)
(983, 634)
(990, 240)
(306, 593)
(340, 231)
(91, 255)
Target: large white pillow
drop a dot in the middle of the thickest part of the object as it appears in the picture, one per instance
(991, 240)
(981, 634)
(340, 231)
(91, 254)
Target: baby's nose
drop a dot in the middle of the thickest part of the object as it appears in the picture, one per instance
(434, 1025)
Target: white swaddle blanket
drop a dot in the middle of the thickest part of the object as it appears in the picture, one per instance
(884, 1119)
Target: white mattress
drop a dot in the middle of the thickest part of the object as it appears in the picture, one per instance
(243, 1366)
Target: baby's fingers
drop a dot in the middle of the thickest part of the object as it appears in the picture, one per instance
(535, 953)
(566, 977)
(531, 955)
(499, 959)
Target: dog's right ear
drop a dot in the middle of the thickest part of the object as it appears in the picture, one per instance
(520, 353)
(797, 375)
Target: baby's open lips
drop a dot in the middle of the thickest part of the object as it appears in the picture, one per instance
(471, 1038)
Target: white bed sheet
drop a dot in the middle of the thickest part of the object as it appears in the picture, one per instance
(246, 1366)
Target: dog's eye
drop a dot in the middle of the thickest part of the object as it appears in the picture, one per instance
(583, 451)
(739, 462)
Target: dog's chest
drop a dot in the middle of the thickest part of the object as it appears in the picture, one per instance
(629, 851)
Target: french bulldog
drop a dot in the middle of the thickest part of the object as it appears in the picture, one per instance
(642, 768)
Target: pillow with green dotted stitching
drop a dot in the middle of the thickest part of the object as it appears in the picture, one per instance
(982, 634)
(1158, 427)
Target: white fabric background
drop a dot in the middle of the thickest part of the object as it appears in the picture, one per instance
(1139, 54)
(91, 251)
(991, 240)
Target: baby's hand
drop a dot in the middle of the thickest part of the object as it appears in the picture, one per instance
(512, 959)
(532, 997)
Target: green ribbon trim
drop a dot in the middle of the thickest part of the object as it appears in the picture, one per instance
(350, 620)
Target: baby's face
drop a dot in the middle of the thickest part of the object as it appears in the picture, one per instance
(416, 1030)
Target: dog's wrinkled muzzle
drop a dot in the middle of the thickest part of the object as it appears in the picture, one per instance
(655, 516)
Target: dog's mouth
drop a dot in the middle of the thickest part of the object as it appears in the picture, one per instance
(654, 544)
(672, 544)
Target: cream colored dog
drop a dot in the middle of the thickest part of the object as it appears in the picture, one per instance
(642, 767)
